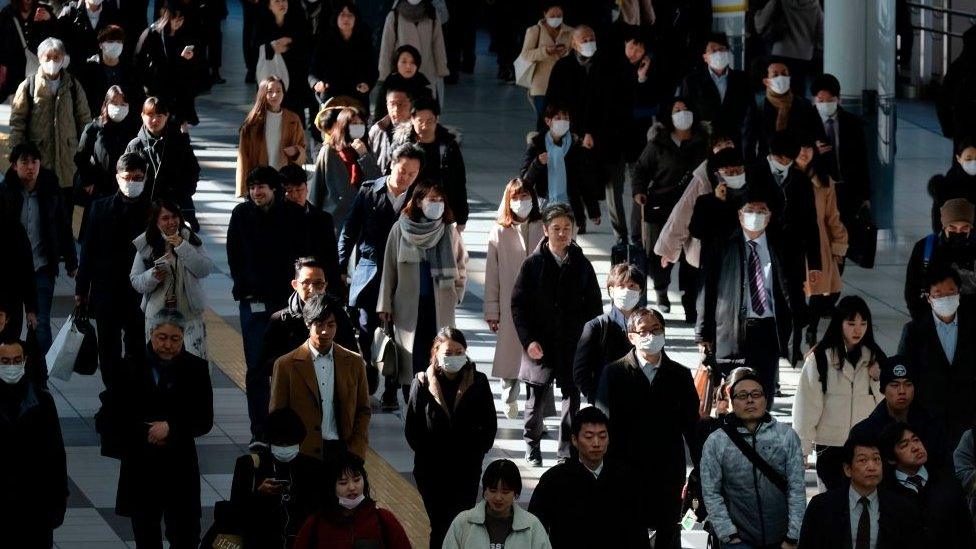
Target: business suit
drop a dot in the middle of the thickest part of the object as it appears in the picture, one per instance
(294, 385)
(850, 159)
(603, 341)
(946, 522)
(731, 115)
(827, 522)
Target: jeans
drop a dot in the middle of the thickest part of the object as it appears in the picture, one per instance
(253, 326)
(45, 297)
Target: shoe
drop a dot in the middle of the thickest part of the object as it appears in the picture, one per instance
(534, 457)
(256, 446)
(663, 303)
(249, 78)
(390, 404)
(511, 411)
(217, 79)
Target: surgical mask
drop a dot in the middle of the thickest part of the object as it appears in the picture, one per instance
(452, 364)
(682, 120)
(734, 181)
(95, 2)
(775, 166)
(51, 68)
(433, 210)
(118, 112)
(969, 166)
(131, 189)
(752, 221)
(826, 108)
(945, 306)
(559, 127)
(112, 50)
(651, 343)
(588, 49)
(357, 131)
(779, 84)
(719, 60)
(625, 299)
(285, 454)
(414, 2)
(351, 503)
(554, 22)
(11, 373)
(521, 208)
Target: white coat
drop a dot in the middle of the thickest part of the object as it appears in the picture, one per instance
(426, 36)
(193, 263)
(468, 531)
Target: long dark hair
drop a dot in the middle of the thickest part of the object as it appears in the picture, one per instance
(818, 170)
(848, 308)
(421, 189)
(154, 237)
(257, 112)
(360, 28)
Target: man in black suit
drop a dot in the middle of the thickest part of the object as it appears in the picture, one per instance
(862, 515)
(783, 110)
(653, 409)
(935, 491)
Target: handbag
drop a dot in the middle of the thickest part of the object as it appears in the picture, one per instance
(707, 377)
(862, 238)
(386, 351)
(525, 69)
(273, 66)
(31, 62)
(64, 351)
(227, 530)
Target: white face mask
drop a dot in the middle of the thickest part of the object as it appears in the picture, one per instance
(776, 167)
(969, 166)
(719, 60)
(118, 112)
(682, 120)
(11, 373)
(652, 343)
(357, 131)
(51, 68)
(588, 49)
(826, 108)
(780, 84)
(433, 210)
(414, 2)
(285, 454)
(624, 299)
(559, 127)
(112, 50)
(351, 503)
(452, 364)
(735, 181)
(521, 208)
(945, 306)
(752, 221)
(95, 2)
(554, 22)
(131, 189)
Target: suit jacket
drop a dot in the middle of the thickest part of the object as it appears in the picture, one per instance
(603, 341)
(946, 522)
(295, 386)
(827, 522)
(854, 182)
(733, 115)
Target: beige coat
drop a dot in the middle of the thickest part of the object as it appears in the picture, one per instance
(507, 250)
(675, 235)
(54, 123)
(833, 241)
(534, 50)
(252, 150)
(400, 289)
(426, 36)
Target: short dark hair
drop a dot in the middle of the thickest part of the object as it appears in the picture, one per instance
(397, 88)
(410, 151)
(345, 463)
(855, 440)
(264, 175)
(284, 428)
(718, 38)
(111, 33)
(307, 262)
(825, 82)
(407, 48)
(962, 144)
(504, 471)
(155, 105)
(293, 174)
(639, 315)
(14, 341)
(553, 211)
(318, 308)
(622, 272)
(940, 272)
(27, 149)
(889, 438)
(590, 414)
(426, 104)
(133, 161)
(784, 143)
(725, 158)
(553, 108)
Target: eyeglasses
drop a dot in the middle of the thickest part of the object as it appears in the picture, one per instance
(647, 333)
(314, 284)
(745, 395)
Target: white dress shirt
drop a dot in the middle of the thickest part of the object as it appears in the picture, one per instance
(902, 478)
(766, 261)
(325, 374)
(874, 512)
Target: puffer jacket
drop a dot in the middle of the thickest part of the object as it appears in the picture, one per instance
(191, 261)
(760, 513)
(469, 530)
(851, 396)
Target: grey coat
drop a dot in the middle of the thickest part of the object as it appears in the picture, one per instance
(804, 27)
(331, 190)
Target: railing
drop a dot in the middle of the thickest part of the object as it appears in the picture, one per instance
(928, 16)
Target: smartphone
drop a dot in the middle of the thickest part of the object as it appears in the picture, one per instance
(188, 49)
(160, 263)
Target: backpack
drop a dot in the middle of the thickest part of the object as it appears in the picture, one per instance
(930, 242)
(31, 88)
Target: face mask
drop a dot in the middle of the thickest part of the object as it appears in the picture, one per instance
(682, 119)
(521, 208)
(651, 344)
(95, 2)
(554, 22)
(780, 84)
(719, 60)
(734, 181)
(11, 373)
(776, 167)
(118, 112)
(559, 127)
(351, 503)
(957, 239)
(587, 49)
(826, 109)
(969, 166)
(945, 306)
(433, 210)
(51, 68)
(625, 299)
(357, 131)
(131, 189)
(285, 454)
(414, 2)
(754, 222)
(452, 364)
(112, 50)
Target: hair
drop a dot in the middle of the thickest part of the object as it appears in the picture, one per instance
(133, 161)
(847, 308)
(940, 272)
(52, 44)
(113, 91)
(818, 168)
(318, 308)
(624, 272)
(13, 340)
(725, 158)
(345, 464)
(825, 82)
(421, 190)
(665, 117)
(425, 104)
(553, 109)
(447, 333)
(549, 4)
(962, 144)
(284, 426)
(554, 211)
(590, 414)
(27, 149)
(307, 262)
(717, 37)
(256, 114)
(637, 37)
(167, 317)
(639, 316)
(410, 151)
(505, 216)
(359, 27)
(742, 373)
(293, 174)
(784, 143)
(396, 87)
(889, 438)
(155, 105)
(169, 11)
(337, 122)
(155, 238)
(264, 175)
(406, 48)
(853, 442)
(111, 33)
(502, 471)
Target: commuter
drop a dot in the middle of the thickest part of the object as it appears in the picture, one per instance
(954, 104)
(800, 37)
(405, 75)
(165, 58)
(957, 182)
(345, 160)
(460, 35)
(784, 108)
(343, 61)
(282, 28)
(319, 224)
(24, 25)
(270, 135)
(109, 67)
(417, 25)
(18, 282)
(545, 42)
(381, 133)
(80, 23)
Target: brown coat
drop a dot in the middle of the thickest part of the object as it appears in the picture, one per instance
(833, 241)
(253, 151)
(295, 386)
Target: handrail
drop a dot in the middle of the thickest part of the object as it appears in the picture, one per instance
(941, 9)
(937, 31)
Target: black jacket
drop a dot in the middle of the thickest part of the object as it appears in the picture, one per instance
(581, 185)
(803, 120)
(955, 105)
(343, 65)
(173, 168)
(417, 88)
(96, 78)
(287, 330)
(956, 183)
(712, 220)
(583, 90)
(55, 216)
(794, 217)
(107, 250)
(941, 505)
(12, 49)
(443, 164)
(732, 116)
(165, 73)
(603, 341)
(76, 29)
(99, 149)
(298, 28)
(854, 184)
(960, 257)
(664, 170)
(929, 430)
(323, 245)
(550, 305)
(18, 286)
(827, 522)
(568, 496)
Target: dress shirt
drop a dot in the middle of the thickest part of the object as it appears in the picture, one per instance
(596, 472)
(853, 497)
(721, 82)
(325, 374)
(948, 334)
(902, 478)
(396, 201)
(617, 316)
(765, 259)
(30, 218)
(93, 17)
(836, 143)
(649, 369)
(560, 260)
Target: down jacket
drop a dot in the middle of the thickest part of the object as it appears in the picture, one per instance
(469, 530)
(191, 264)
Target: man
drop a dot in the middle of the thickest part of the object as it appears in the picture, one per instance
(264, 238)
(783, 110)
(863, 515)
(653, 409)
(754, 497)
(30, 194)
(589, 502)
(319, 224)
(81, 22)
(936, 493)
(375, 209)
(36, 492)
(107, 68)
(941, 349)
(18, 289)
(381, 133)
(106, 258)
(325, 384)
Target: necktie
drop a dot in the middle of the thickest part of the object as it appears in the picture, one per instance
(917, 481)
(863, 540)
(757, 282)
(831, 128)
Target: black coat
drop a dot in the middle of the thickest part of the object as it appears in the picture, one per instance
(173, 168)
(664, 170)
(585, 94)
(154, 477)
(603, 341)
(733, 116)
(581, 186)
(99, 149)
(12, 49)
(955, 103)
(956, 183)
(55, 216)
(443, 164)
(297, 27)
(287, 330)
(568, 496)
(550, 305)
(96, 78)
(76, 30)
(854, 184)
(794, 218)
(961, 257)
(803, 120)
(827, 522)
(945, 517)
(107, 250)
(343, 65)
(712, 220)
(929, 430)
(18, 287)
(165, 73)
(323, 245)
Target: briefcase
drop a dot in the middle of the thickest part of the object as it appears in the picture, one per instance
(862, 235)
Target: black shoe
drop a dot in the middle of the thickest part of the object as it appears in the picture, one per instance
(249, 78)
(217, 79)
(534, 457)
(663, 303)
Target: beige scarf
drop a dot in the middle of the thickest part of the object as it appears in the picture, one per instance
(783, 104)
(429, 378)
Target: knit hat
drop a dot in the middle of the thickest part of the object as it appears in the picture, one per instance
(957, 209)
(894, 368)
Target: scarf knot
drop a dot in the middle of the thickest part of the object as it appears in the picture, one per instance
(430, 241)
(783, 104)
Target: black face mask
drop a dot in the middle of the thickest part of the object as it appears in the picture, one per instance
(957, 239)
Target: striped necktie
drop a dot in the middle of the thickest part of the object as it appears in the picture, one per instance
(757, 282)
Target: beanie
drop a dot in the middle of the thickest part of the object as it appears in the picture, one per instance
(957, 209)
(894, 368)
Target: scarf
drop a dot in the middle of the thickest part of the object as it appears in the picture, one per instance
(429, 378)
(350, 158)
(428, 240)
(783, 104)
(413, 14)
(556, 168)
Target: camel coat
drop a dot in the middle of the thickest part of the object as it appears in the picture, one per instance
(400, 295)
(507, 249)
(675, 235)
(294, 385)
(253, 151)
(534, 50)
(833, 241)
(426, 36)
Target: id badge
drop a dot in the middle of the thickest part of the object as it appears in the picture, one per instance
(257, 307)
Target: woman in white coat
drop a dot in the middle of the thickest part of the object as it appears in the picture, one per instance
(839, 387)
(416, 22)
(423, 277)
(517, 232)
(170, 261)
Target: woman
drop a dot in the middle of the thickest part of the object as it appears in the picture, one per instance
(23, 25)
(344, 61)
(416, 23)
(545, 43)
(350, 519)
(450, 425)
(405, 76)
(496, 521)
(170, 261)
(517, 231)
(110, 67)
(165, 58)
(284, 29)
(958, 182)
(838, 387)
(345, 160)
(271, 135)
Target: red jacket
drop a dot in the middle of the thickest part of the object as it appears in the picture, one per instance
(330, 530)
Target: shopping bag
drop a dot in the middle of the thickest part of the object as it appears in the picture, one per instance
(524, 71)
(275, 66)
(64, 351)
(386, 351)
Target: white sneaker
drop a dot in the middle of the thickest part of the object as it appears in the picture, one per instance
(512, 411)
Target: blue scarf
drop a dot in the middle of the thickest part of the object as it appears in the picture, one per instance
(556, 168)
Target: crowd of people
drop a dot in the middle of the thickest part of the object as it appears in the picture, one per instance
(348, 260)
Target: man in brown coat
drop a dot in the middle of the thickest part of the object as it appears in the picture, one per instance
(325, 384)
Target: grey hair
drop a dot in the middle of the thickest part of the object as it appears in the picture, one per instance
(167, 317)
(50, 44)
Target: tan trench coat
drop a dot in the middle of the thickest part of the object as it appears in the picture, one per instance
(534, 50)
(833, 241)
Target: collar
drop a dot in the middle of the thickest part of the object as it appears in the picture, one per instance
(520, 518)
(617, 317)
(759, 240)
(939, 322)
(853, 497)
(643, 362)
(903, 476)
(595, 472)
(316, 354)
(719, 76)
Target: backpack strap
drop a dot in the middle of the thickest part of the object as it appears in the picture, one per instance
(821, 357)
(930, 241)
(757, 460)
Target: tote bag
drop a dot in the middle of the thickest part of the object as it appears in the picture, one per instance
(271, 67)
